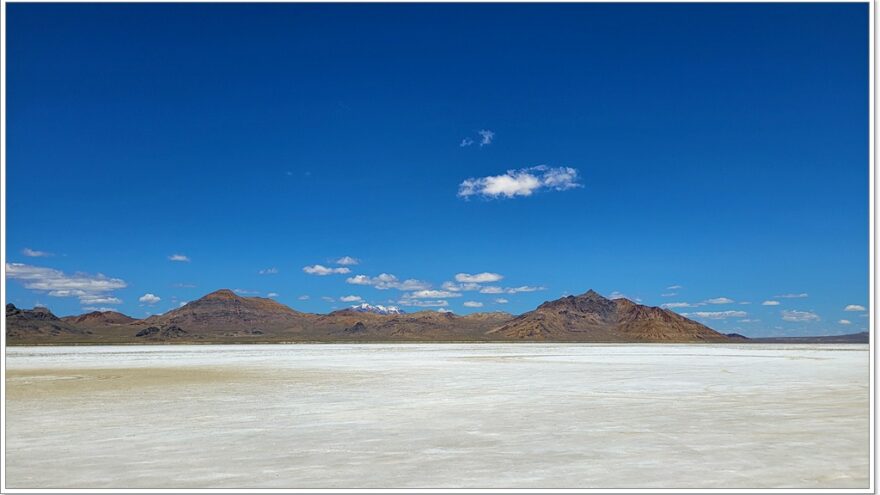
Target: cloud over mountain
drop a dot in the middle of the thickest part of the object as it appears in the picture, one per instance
(90, 289)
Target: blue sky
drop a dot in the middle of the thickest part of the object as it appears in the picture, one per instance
(626, 148)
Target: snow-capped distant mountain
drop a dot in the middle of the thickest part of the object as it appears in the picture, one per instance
(378, 309)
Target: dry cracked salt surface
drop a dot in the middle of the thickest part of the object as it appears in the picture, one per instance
(438, 415)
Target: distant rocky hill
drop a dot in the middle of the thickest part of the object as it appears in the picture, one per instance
(99, 318)
(38, 324)
(591, 317)
(224, 316)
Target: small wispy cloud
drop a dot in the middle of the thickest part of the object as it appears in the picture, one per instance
(99, 299)
(486, 137)
(422, 303)
(522, 182)
(669, 294)
(501, 300)
(800, 316)
(674, 287)
(100, 309)
(844, 322)
(770, 303)
(793, 296)
(719, 300)
(272, 294)
(674, 305)
(716, 315)
(351, 298)
(621, 295)
(179, 257)
(321, 270)
(33, 253)
(304, 297)
(468, 286)
(245, 292)
(509, 290)
(473, 304)
(431, 294)
(268, 271)
(478, 278)
(347, 260)
(149, 298)
(854, 307)
(385, 281)
(328, 299)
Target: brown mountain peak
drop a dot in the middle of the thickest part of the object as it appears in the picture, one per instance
(221, 294)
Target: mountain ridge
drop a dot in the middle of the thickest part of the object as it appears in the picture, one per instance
(224, 316)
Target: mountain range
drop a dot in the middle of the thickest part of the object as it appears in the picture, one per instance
(226, 317)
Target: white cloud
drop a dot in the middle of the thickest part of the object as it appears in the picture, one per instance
(272, 294)
(304, 297)
(719, 300)
(522, 182)
(793, 296)
(770, 303)
(717, 315)
(444, 310)
(674, 287)
(478, 278)
(460, 287)
(466, 142)
(795, 315)
(351, 298)
(669, 294)
(845, 322)
(268, 271)
(34, 253)
(619, 295)
(509, 290)
(473, 304)
(347, 260)
(88, 288)
(322, 270)
(182, 304)
(99, 299)
(179, 257)
(149, 298)
(385, 281)
(101, 309)
(501, 300)
(679, 305)
(486, 137)
(854, 307)
(492, 290)
(422, 303)
(245, 291)
(431, 294)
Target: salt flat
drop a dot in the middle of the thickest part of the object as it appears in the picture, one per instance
(438, 415)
